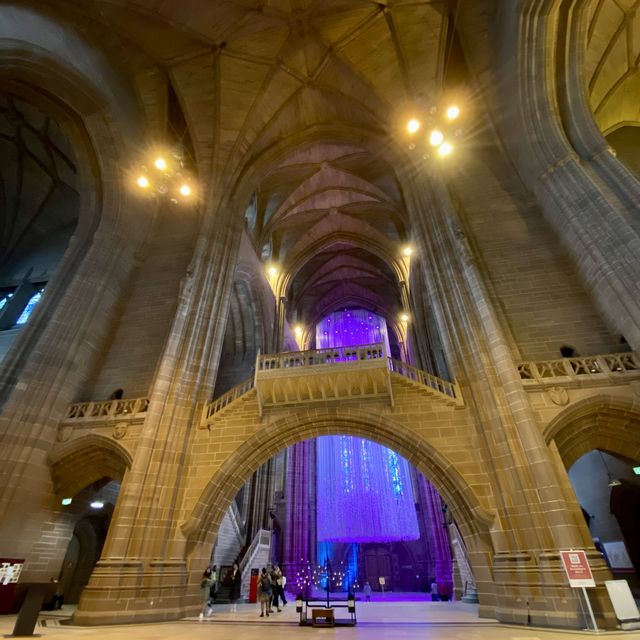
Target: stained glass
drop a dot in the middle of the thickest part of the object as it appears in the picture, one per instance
(28, 310)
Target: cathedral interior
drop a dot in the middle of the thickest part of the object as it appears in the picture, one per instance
(350, 286)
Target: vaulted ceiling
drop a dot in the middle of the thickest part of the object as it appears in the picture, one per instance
(613, 63)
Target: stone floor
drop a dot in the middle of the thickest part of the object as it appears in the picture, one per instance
(378, 620)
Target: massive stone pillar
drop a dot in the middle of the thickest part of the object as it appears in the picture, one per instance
(437, 535)
(300, 533)
(40, 379)
(588, 197)
(533, 520)
(143, 574)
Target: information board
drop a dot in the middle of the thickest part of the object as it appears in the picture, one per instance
(577, 568)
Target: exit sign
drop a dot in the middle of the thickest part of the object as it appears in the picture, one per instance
(636, 470)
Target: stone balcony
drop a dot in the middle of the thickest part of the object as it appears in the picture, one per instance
(580, 372)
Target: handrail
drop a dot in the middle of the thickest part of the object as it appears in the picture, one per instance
(427, 379)
(319, 357)
(579, 367)
(107, 409)
(261, 538)
(227, 398)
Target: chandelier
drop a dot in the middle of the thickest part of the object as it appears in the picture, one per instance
(165, 176)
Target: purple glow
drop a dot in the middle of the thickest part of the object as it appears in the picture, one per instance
(366, 488)
(366, 492)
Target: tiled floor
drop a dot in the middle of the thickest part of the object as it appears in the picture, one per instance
(376, 621)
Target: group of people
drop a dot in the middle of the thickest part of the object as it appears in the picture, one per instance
(271, 585)
(271, 590)
(209, 588)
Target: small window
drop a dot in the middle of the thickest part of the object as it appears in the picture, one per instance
(28, 310)
(4, 298)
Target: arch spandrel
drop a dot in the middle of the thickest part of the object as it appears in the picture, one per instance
(212, 489)
(605, 421)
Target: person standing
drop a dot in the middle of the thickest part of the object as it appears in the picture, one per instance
(279, 586)
(205, 588)
(273, 575)
(214, 585)
(235, 581)
(265, 592)
(367, 592)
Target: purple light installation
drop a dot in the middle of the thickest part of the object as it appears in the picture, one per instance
(366, 492)
(365, 488)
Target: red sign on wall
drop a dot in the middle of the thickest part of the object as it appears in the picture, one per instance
(577, 568)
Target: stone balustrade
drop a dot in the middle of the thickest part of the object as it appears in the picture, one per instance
(319, 357)
(227, 398)
(99, 411)
(581, 371)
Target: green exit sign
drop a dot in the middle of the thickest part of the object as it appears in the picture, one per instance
(636, 470)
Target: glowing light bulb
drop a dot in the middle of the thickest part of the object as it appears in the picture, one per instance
(298, 330)
(445, 149)
(436, 138)
(413, 125)
(404, 317)
(185, 190)
(160, 164)
(97, 504)
(272, 271)
(407, 251)
(453, 112)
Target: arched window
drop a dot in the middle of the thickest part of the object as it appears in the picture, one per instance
(31, 305)
(4, 298)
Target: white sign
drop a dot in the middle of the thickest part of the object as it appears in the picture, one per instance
(10, 572)
(622, 600)
(381, 580)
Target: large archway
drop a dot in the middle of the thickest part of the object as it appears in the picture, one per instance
(215, 495)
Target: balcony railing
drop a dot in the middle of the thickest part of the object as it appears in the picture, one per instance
(580, 369)
(107, 409)
(227, 398)
(426, 379)
(319, 357)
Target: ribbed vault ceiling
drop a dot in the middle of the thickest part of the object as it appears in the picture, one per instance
(613, 62)
(255, 75)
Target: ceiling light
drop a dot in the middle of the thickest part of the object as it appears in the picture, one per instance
(404, 317)
(272, 271)
(142, 182)
(453, 112)
(413, 125)
(65, 502)
(160, 164)
(97, 504)
(436, 138)
(445, 149)
(407, 251)
(298, 331)
(185, 190)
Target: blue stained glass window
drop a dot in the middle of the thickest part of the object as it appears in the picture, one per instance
(28, 310)
(4, 300)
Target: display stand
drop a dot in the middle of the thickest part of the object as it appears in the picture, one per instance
(30, 609)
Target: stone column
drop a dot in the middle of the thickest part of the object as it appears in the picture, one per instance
(533, 521)
(300, 533)
(589, 200)
(65, 339)
(438, 538)
(143, 574)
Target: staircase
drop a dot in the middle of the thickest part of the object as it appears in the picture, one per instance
(318, 375)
